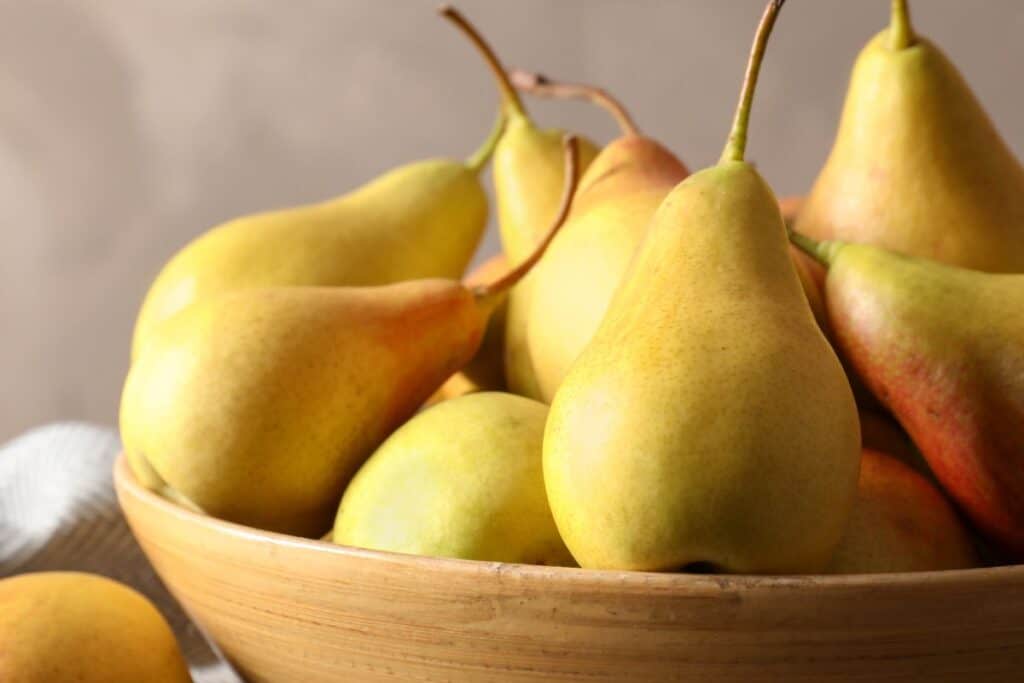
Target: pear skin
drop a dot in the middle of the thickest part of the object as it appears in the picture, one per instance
(528, 176)
(259, 405)
(917, 165)
(421, 220)
(900, 523)
(943, 349)
(70, 626)
(462, 479)
(708, 421)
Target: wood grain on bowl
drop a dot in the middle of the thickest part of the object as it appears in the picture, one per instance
(291, 610)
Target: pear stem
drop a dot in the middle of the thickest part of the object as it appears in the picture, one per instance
(484, 152)
(542, 86)
(492, 292)
(822, 252)
(511, 103)
(901, 33)
(736, 145)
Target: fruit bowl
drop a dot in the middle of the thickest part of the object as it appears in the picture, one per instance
(286, 609)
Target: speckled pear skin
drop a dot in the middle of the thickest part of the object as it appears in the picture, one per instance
(918, 167)
(258, 406)
(708, 421)
(587, 261)
(942, 348)
(421, 220)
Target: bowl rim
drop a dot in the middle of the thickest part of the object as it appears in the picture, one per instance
(127, 485)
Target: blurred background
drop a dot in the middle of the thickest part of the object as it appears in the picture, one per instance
(127, 127)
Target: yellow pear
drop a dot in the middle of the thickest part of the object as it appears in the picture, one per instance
(917, 165)
(421, 220)
(68, 626)
(259, 405)
(462, 479)
(708, 422)
(528, 175)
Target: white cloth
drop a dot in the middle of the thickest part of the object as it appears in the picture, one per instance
(58, 511)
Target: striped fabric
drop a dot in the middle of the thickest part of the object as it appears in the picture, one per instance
(58, 511)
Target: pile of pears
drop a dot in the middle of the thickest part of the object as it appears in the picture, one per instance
(662, 370)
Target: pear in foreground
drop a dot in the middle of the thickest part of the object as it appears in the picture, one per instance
(943, 349)
(69, 626)
(462, 479)
(917, 165)
(528, 177)
(258, 406)
(900, 523)
(421, 220)
(708, 421)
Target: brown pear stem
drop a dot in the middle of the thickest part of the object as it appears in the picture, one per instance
(492, 292)
(480, 157)
(901, 33)
(736, 146)
(542, 86)
(823, 252)
(511, 104)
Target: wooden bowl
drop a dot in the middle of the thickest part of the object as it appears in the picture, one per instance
(291, 610)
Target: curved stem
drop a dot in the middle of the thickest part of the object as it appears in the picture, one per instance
(491, 293)
(484, 152)
(822, 252)
(901, 33)
(736, 145)
(510, 101)
(539, 84)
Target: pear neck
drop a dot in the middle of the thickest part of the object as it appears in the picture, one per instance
(824, 253)
(483, 154)
(901, 33)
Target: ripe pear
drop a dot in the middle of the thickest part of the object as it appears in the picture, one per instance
(900, 523)
(709, 421)
(917, 165)
(618, 195)
(528, 175)
(462, 479)
(942, 348)
(486, 372)
(259, 405)
(421, 220)
(69, 626)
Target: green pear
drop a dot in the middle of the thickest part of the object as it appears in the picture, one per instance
(528, 175)
(708, 422)
(421, 220)
(58, 627)
(942, 348)
(917, 165)
(462, 479)
(259, 405)
(900, 523)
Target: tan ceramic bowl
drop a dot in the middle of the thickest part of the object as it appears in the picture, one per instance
(290, 610)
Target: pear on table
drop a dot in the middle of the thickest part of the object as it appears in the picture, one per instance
(708, 422)
(421, 220)
(942, 348)
(618, 195)
(259, 405)
(917, 165)
(528, 175)
(462, 479)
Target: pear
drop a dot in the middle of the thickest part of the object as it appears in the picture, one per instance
(942, 348)
(421, 220)
(486, 372)
(259, 405)
(528, 175)
(917, 165)
(618, 195)
(462, 479)
(70, 626)
(708, 422)
(900, 523)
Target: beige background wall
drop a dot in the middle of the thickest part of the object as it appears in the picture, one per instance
(129, 126)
